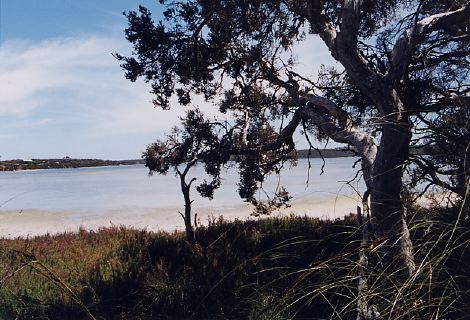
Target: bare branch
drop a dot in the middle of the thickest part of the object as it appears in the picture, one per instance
(445, 103)
(403, 49)
(343, 132)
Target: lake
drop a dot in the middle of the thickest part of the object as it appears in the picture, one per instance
(93, 197)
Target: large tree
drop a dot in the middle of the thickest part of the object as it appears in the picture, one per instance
(401, 61)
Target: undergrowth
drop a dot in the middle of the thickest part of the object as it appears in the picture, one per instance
(274, 268)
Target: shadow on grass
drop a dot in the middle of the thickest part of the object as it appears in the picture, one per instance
(275, 268)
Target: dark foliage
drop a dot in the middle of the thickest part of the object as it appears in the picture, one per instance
(238, 56)
(293, 267)
(403, 70)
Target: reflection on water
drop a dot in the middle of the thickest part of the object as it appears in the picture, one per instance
(92, 191)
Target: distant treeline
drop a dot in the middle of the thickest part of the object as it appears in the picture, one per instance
(22, 164)
(326, 153)
(32, 164)
(340, 153)
(318, 153)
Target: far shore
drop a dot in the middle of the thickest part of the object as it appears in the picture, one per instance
(64, 163)
(67, 162)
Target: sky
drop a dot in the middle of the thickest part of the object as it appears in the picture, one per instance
(62, 93)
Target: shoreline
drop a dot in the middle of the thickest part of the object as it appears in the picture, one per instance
(68, 168)
(29, 222)
(65, 163)
(70, 163)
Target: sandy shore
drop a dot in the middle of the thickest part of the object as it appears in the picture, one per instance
(35, 222)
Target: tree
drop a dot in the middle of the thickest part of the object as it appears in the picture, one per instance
(185, 147)
(401, 61)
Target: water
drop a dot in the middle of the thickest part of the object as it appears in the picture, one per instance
(97, 190)
(36, 202)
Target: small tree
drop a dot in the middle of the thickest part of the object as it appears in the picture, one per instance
(185, 147)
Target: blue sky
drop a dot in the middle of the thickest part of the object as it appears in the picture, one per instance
(61, 91)
(44, 19)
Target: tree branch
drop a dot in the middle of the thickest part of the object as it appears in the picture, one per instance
(343, 132)
(445, 103)
(403, 49)
(430, 170)
(350, 19)
(343, 46)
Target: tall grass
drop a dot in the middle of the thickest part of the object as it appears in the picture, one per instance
(275, 268)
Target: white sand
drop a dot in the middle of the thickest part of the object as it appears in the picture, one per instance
(35, 222)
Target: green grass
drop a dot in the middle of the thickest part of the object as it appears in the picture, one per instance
(293, 267)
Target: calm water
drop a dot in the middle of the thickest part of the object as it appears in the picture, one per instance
(94, 191)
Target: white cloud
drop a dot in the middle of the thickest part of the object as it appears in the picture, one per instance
(27, 123)
(5, 137)
(74, 76)
(74, 90)
(28, 70)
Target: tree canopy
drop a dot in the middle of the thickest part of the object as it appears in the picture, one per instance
(403, 73)
(402, 64)
(404, 69)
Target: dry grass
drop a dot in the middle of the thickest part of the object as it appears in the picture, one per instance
(294, 267)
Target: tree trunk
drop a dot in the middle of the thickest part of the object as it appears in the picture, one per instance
(187, 222)
(185, 188)
(388, 212)
(388, 222)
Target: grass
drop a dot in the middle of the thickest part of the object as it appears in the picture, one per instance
(275, 268)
